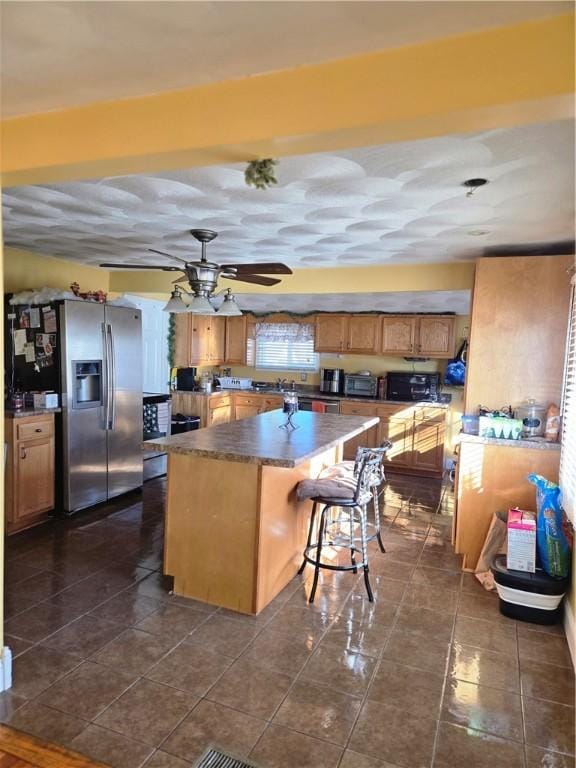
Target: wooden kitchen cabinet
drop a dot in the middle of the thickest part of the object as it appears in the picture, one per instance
(271, 403)
(246, 406)
(369, 438)
(29, 470)
(235, 344)
(199, 340)
(398, 335)
(363, 334)
(420, 336)
(436, 336)
(220, 410)
(416, 433)
(357, 334)
(331, 333)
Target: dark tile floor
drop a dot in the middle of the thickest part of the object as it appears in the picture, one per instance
(110, 664)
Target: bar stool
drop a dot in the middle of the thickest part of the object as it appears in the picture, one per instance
(353, 493)
(349, 468)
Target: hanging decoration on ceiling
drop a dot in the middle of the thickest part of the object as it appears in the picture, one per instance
(261, 174)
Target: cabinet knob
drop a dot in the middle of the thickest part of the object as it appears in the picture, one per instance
(22, 453)
(38, 429)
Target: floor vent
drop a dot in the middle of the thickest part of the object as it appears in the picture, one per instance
(215, 759)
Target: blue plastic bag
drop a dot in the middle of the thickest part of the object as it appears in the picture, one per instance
(551, 542)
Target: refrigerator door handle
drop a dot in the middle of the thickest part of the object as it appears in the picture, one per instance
(111, 381)
(106, 392)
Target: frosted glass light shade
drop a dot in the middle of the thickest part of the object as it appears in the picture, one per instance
(175, 303)
(229, 307)
(200, 305)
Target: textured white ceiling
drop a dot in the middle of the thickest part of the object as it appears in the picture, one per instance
(391, 204)
(395, 301)
(63, 54)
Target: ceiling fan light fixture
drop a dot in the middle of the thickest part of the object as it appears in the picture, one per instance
(200, 305)
(175, 303)
(229, 307)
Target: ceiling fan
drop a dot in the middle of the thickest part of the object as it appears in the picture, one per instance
(202, 276)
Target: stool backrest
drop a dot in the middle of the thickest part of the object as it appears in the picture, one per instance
(361, 452)
(370, 467)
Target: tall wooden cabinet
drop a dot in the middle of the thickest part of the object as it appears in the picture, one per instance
(29, 470)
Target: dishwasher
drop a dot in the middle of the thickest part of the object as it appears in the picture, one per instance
(305, 404)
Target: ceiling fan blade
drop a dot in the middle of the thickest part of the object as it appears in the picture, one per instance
(266, 268)
(141, 266)
(170, 256)
(256, 279)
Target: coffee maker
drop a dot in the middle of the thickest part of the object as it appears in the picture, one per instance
(332, 380)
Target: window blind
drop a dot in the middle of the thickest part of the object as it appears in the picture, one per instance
(568, 451)
(285, 347)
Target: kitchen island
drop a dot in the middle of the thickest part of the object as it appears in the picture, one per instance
(235, 531)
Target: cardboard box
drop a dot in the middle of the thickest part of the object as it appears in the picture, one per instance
(42, 400)
(521, 540)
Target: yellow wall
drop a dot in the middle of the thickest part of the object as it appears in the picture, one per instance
(24, 270)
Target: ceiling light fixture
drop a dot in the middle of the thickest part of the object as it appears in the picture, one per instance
(176, 302)
(473, 184)
(202, 277)
(229, 307)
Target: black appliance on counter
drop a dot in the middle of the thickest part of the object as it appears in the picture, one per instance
(332, 380)
(157, 419)
(186, 379)
(412, 387)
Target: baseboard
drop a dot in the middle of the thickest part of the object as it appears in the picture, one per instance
(6, 669)
(570, 629)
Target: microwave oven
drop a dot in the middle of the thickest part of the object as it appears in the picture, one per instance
(360, 386)
(411, 387)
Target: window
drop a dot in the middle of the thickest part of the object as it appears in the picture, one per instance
(568, 455)
(284, 347)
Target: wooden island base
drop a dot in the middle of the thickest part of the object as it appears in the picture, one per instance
(235, 531)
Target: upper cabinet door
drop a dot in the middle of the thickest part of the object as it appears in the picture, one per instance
(398, 335)
(182, 340)
(216, 339)
(235, 340)
(199, 339)
(436, 337)
(331, 333)
(363, 334)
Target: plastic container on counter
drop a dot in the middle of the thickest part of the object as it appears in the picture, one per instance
(533, 418)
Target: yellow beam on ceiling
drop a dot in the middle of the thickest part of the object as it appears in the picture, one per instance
(455, 276)
(497, 77)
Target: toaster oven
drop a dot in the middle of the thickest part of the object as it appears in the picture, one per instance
(360, 386)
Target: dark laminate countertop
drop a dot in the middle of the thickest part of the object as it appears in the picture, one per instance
(10, 413)
(313, 394)
(261, 440)
(539, 444)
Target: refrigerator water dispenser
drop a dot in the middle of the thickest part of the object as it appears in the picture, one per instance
(87, 384)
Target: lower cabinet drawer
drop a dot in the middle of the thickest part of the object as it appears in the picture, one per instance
(35, 429)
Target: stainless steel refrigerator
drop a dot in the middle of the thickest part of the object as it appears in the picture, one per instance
(101, 397)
